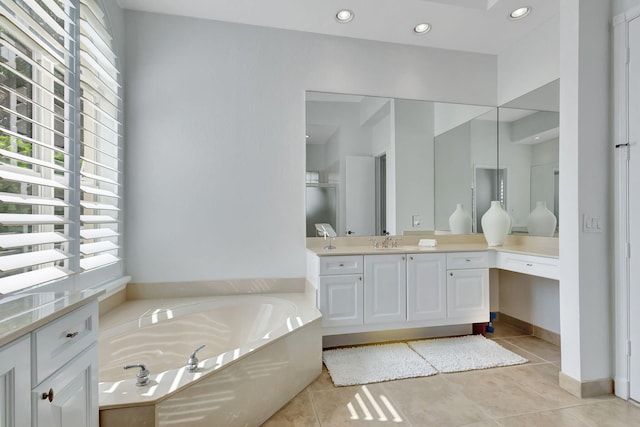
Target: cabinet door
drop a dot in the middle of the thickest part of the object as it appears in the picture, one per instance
(341, 300)
(385, 288)
(15, 383)
(69, 398)
(426, 286)
(468, 295)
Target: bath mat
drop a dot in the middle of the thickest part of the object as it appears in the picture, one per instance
(374, 363)
(465, 353)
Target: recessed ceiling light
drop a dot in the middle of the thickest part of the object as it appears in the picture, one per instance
(345, 15)
(422, 28)
(520, 12)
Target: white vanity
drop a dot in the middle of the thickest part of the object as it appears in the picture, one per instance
(49, 360)
(364, 289)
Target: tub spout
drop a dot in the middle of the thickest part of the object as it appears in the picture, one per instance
(192, 363)
(142, 378)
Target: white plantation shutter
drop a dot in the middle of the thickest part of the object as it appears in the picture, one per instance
(60, 158)
(36, 148)
(99, 141)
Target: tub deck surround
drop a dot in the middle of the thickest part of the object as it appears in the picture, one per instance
(23, 313)
(280, 322)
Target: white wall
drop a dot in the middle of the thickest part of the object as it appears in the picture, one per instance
(215, 137)
(620, 6)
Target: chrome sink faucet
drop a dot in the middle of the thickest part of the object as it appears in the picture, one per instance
(385, 242)
(142, 379)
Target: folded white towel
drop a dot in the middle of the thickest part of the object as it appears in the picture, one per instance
(429, 243)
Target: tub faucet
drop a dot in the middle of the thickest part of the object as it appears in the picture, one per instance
(142, 378)
(192, 363)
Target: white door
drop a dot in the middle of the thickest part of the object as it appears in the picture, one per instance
(341, 300)
(360, 200)
(426, 286)
(468, 295)
(634, 205)
(385, 289)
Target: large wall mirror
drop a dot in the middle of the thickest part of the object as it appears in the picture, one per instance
(382, 165)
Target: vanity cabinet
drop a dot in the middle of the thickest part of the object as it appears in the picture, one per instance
(15, 387)
(340, 296)
(49, 376)
(385, 290)
(426, 286)
(468, 286)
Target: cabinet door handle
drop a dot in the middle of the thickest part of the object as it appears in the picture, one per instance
(411, 258)
(451, 274)
(72, 334)
(360, 278)
(48, 396)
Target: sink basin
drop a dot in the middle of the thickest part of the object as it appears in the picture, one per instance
(398, 248)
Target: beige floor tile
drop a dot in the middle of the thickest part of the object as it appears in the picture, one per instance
(498, 394)
(433, 401)
(610, 413)
(299, 412)
(363, 405)
(541, 348)
(532, 358)
(542, 379)
(557, 418)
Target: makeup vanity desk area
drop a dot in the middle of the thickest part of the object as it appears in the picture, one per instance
(360, 288)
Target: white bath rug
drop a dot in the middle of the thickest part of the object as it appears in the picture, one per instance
(465, 353)
(374, 363)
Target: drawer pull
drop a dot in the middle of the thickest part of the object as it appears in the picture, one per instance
(72, 334)
(48, 396)
(529, 264)
(468, 260)
(341, 265)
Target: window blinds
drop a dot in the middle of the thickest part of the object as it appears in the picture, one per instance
(60, 158)
(36, 110)
(99, 141)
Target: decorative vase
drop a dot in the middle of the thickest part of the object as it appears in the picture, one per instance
(460, 221)
(495, 224)
(541, 221)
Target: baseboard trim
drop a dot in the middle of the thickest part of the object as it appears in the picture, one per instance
(529, 328)
(585, 389)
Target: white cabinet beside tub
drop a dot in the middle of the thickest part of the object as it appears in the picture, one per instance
(50, 374)
(340, 296)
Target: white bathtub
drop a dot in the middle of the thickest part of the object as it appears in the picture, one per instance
(260, 351)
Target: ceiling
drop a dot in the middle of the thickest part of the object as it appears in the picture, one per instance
(467, 25)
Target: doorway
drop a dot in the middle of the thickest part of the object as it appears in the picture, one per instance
(381, 195)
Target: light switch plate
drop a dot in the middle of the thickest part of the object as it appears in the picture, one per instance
(591, 224)
(415, 220)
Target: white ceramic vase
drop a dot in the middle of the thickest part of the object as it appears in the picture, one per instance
(541, 221)
(460, 221)
(495, 224)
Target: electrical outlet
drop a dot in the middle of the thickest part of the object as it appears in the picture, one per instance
(415, 220)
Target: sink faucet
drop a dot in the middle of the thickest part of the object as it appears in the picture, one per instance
(385, 242)
(142, 379)
(192, 363)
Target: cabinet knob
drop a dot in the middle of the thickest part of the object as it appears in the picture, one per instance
(72, 334)
(48, 396)
(411, 258)
(360, 278)
(451, 274)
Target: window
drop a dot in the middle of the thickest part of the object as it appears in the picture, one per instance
(59, 144)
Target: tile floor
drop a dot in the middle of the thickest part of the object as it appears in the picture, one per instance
(523, 395)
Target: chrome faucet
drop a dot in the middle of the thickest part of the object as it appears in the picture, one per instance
(192, 363)
(385, 242)
(142, 379)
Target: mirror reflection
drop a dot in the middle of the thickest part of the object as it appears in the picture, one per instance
(382, 165)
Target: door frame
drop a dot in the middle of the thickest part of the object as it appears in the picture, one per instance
(622, 343)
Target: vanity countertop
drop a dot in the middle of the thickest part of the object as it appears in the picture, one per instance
(23, 313)
(526, 245)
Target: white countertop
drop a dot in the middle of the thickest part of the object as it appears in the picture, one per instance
(23, 313)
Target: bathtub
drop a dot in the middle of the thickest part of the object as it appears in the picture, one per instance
(260, 351)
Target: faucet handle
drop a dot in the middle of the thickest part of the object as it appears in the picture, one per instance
(192, 363)
(375, 242)
(142, 378)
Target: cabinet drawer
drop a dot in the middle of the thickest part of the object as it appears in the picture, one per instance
(528, 264)
(341, 265)
(61, 340)
(462, 260)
